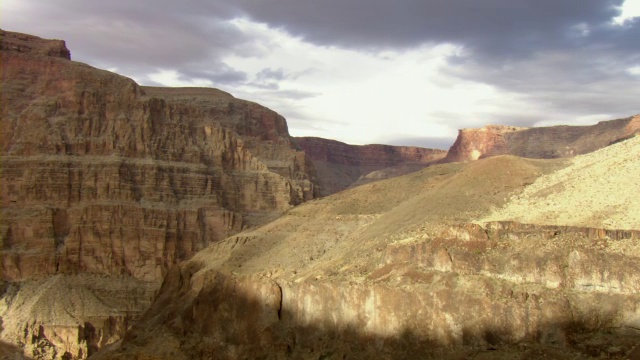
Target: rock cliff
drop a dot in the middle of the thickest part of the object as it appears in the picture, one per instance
(541, 142)
(341, 165)
(102, 176)
(438, 298)
(108, 187)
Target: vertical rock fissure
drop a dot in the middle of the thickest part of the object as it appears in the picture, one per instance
(280, 301)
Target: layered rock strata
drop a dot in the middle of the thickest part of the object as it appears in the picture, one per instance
(541, 142)
(341, 165)
(70, 316)
(102, 176)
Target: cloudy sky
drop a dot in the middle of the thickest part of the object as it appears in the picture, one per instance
(405, 72)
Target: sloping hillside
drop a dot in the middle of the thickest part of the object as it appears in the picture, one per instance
(395, 269)
(599, 190)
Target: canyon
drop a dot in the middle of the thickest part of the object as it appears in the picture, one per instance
(339, 165)
(107, 184)
(152, 175)
(409, 268)
(177, 223)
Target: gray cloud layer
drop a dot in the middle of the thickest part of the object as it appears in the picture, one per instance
(561, 56)
(504, 27)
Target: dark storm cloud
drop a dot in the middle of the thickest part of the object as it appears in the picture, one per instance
(141, 37)
(271, 74)
(500, 27)
(559, 56)
(169, 33)
(269, 79)
(593, 79)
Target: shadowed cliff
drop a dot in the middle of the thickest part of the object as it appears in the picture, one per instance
(411, 307)
(341, 165)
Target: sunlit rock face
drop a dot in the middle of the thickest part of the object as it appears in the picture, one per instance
(541, 142)
(449, 293)
(102, 176)
(341, 165)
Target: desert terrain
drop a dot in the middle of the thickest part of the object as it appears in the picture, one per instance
(428, 265)
(183, 223)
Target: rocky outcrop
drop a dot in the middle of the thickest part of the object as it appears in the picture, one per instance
(461, 292)
(472, 144)
(341, 165)
(28, 44)
(70, 316)
(541, 142)
(102, 176)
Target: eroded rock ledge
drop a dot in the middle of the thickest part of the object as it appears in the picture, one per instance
(455, 290)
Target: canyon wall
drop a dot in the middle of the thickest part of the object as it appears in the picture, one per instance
(109, 187)
(465, 291)
(101, 175)
(341, 165)
(107, 184)
(541, 142)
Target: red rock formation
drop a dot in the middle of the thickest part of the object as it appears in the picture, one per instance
(106, 184)
(471, 144)
(340, 165)
(28, 44)
(542, 142)
(102, 175)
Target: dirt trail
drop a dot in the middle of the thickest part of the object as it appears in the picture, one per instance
(600, 189)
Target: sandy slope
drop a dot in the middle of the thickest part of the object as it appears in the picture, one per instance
(600, 189)
(399, 254)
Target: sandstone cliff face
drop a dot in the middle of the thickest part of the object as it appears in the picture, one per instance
(341, 165)
(104, 176)
(542, 142)
(471, 144)
(101, 176)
